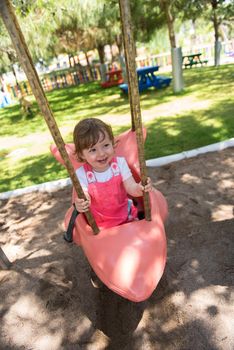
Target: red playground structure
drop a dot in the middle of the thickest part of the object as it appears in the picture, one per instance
(114, 77)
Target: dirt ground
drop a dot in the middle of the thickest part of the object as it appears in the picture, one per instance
(48, 303)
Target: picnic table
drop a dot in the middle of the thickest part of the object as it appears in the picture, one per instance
(113, 77)
(193, 60)
(147, 78)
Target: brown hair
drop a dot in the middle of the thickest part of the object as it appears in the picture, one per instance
(87, 133)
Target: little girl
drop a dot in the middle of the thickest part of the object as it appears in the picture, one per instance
(105, 179)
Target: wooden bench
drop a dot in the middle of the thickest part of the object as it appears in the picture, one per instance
(190, 64)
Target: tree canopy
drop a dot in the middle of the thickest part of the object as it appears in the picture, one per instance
(72, 26)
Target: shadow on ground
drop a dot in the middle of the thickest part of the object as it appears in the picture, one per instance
(48, 302)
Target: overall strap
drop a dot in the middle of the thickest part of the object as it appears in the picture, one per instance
(91, 178)
(114, 167)
(89, 173)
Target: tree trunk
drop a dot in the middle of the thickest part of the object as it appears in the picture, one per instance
(177, 71)
(166, 7)
(89, 65)
(216, 24)
(214, 5)
(217, 53)
(119, 43)
(112, 53)
(70, 62)
(123, 67)
(176, 53)
(193, 35)
(16, 81)
(101, 53)
(103, 68)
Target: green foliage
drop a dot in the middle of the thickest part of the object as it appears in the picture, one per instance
(159, 42)
(23, 7)
(147, 17)
(7, 52)
(53, 27)
(201, 115)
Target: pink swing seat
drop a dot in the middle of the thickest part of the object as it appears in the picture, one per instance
(130, 258)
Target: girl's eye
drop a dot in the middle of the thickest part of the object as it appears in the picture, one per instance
(107, 145)
(92, 150)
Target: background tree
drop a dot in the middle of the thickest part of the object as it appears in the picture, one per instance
(220, 11)
(8, 56)
(216, 11)
(87, 25)
(169, 9)
(191, 10)
(147, 17)
(54, 27)
(36, 21)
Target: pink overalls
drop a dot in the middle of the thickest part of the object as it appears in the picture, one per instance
(109, 201)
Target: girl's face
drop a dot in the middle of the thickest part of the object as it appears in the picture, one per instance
(99, 155)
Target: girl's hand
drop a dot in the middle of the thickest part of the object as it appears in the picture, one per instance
(135, 189)
(83, 205)
(148, 187)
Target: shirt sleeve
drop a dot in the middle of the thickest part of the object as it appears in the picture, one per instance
(124, 168)
(80, 173)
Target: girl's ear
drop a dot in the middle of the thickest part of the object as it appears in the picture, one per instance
(80, 158)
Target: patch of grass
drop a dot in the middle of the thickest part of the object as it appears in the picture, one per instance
(30, 171)
(168, 135)
(200, 115)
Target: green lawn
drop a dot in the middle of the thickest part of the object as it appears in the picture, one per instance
(201, 115)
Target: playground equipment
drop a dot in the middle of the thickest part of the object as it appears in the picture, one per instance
(147, 79)
(129, 258)
(114, 77)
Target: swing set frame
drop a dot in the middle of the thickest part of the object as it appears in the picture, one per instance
(25, 59)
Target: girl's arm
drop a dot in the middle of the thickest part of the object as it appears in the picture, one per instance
(136, 189)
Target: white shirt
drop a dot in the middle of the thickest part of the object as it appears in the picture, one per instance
(106, 175)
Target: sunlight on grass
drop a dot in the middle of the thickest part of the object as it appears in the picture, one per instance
(172, 132)
(30, 171)
(200, 115)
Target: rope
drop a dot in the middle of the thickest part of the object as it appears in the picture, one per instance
(129, 49)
